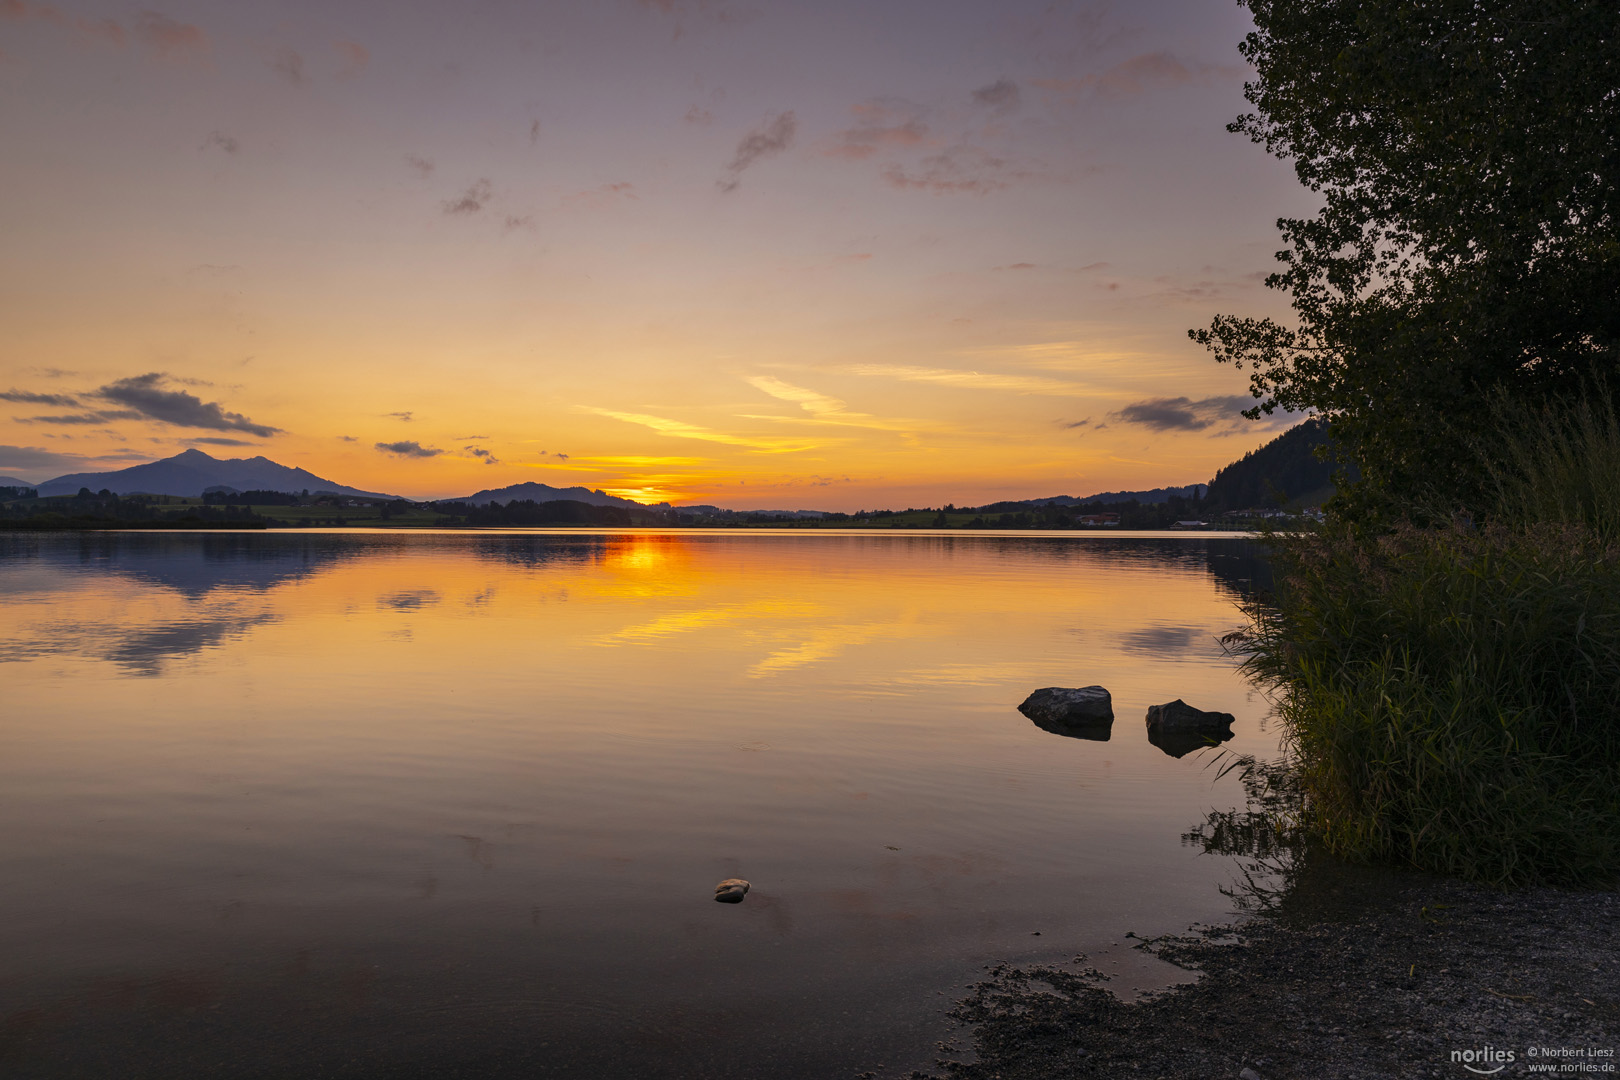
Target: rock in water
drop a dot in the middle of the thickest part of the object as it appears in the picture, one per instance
(731, 890)
(1178, 729)
(1086, 712)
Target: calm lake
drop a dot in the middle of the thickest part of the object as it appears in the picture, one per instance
(384, 804)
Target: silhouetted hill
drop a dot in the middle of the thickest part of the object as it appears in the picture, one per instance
(193, 472)
(1287, 466)
(1103, 498)
(543, 493)
(12, 481)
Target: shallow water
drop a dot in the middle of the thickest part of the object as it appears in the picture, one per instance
(389, 804)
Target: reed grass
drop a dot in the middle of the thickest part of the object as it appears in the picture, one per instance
(1451, 695)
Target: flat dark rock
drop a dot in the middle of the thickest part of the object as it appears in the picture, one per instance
(1180, 716)
(1085, 712)
(1178, 729)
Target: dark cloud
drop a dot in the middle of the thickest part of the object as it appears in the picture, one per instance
(700, 116)
(1072, 424)
(169, 39)
(409, 448)
(348, 438)
(421, 166)
(289, 65)
(472, 200)
(220, 140)
(534, 132)
(145, 394)
(104, 416)
(209, 440)
(514, 222)
(25, 397)
(1183, 414)
(480, 452)
(32, 457)
(1002, 96)
(769, 139)
(405, 416)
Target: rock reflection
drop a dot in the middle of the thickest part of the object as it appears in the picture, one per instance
(1090, 730)
(1178, 744)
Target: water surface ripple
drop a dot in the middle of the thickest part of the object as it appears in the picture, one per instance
(388, 804)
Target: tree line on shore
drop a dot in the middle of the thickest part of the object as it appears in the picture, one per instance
(1444, 649)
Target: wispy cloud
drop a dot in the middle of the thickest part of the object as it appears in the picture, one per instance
(28, 398)
(165, 38)
(1184, 414)
(219, 140)
(880, 126)
(101, 31)
(472, 200)
(963, 169)
(1138, 75)
(26, 458)
(421, 166)
(479, 452)
(1001, 97)
(602, 196)
(146, 395)
(352, 58)
(289, 64)
(208, 440)
(975, 380)
(404, 416)
(769, 139)
(409, 448)
(679, 429)
(105, 416)
(170, 39)
(822, 408)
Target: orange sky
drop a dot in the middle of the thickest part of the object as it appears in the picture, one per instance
(774, 255)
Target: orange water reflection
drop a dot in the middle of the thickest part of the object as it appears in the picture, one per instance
(509, 768)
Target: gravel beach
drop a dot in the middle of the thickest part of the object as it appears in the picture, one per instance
(1356, 974)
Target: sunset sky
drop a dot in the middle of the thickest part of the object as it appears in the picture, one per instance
(826, 255)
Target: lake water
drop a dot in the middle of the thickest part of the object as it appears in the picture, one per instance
(397, 805)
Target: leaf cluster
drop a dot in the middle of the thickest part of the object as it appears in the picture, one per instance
(1467, 154)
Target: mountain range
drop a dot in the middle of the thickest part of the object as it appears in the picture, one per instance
(193, 472)
(1286, 466)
